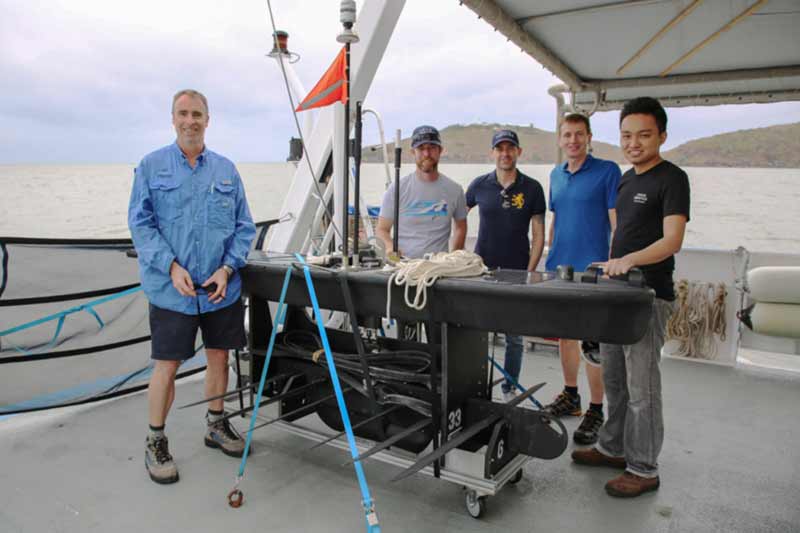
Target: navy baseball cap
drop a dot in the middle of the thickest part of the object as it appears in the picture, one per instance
(425, 135)
(505, 136)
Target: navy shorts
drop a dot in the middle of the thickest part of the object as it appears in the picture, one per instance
(173, 334)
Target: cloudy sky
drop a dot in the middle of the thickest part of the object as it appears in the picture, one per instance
(91, 81)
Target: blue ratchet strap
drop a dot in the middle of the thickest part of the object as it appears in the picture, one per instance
(513, 381)
(280, 317)
(369, 506)
(61, 315)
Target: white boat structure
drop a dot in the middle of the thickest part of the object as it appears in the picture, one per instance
(731, 460)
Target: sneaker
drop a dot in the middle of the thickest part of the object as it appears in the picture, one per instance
(630, 485)
(158, 461)
(564, 405)
(590, 352)
(593, 457)
(220, 434)
(509, 395)
(590, 425)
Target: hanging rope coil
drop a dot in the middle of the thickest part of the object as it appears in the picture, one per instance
(699, 316)
(422, 273)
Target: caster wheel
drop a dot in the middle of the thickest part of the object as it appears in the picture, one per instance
(517, 477)
(476, 505)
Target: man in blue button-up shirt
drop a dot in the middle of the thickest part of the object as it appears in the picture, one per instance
(192, 229)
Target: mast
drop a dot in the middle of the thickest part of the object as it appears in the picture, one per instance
(347, 16)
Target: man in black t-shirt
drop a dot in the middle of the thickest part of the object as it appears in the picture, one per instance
(652, 212)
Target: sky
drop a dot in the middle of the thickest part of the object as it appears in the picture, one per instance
(86, 81)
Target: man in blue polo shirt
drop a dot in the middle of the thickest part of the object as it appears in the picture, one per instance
(509, 202)
(583, 191)
(192, 229)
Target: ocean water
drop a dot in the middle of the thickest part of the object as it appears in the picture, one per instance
(751, 207)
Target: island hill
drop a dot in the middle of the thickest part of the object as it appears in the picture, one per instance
(472, 144)
(774, 146)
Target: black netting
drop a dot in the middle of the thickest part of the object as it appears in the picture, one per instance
(38, 369)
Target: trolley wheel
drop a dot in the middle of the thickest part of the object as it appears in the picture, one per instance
(476, 505)
(516, 478)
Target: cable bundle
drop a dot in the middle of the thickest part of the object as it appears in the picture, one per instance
(400, 377)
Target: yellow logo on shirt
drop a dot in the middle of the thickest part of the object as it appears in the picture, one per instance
(518, 200)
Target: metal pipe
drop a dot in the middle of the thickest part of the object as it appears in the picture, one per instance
(357, 179)
(384, 149)
(325, 200)
(326, 238)
(346, 175)
(595, 103)
(365, 220)
(557, 92)
(705, 77)
(762, 97)
(398, 151)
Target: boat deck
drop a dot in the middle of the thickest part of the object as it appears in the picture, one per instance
(730, 462)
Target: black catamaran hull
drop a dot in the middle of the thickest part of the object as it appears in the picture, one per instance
(450, 406)
(538, 304)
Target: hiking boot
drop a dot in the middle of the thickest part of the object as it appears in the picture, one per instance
(590, 425)
(158, 461)
(630, 485)
(564, 405)
(220, 434)
(590, 352)
(593, 457)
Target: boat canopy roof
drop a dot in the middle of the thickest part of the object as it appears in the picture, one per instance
(684, 52)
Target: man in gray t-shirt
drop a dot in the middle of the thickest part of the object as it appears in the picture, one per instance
(430, 203)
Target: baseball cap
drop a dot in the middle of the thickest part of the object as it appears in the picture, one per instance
(505, 136)
(425, 135)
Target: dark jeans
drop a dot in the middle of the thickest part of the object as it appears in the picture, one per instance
(634, 428)
(513, 362)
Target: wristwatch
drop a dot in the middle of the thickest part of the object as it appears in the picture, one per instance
(228, 270)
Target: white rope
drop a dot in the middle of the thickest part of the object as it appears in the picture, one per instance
(698, 317)
(422, 273)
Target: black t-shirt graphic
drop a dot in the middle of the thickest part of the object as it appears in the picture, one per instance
(642, 203)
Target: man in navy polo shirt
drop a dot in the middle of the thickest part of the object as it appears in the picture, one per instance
(508, 203)
(582, 195)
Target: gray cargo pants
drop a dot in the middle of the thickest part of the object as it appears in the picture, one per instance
(634, 428)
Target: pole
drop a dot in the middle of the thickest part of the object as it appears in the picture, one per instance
(397, 154)
(346, 174)
(357, 179)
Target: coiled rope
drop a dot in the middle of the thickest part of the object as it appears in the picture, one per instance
(698, 317)
(422, 273)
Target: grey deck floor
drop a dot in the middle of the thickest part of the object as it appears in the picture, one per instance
(731, 462)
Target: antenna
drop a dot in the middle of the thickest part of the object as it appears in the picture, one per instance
(347, 16)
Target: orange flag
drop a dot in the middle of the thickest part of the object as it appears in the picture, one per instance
(331, 88)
